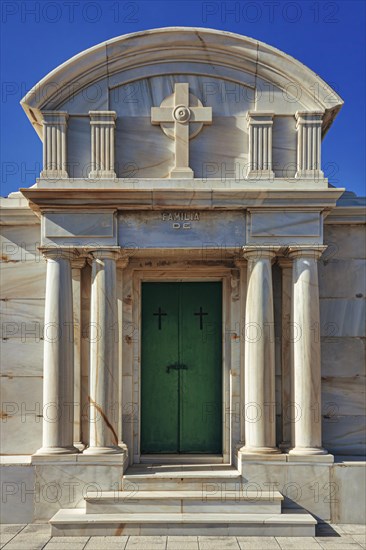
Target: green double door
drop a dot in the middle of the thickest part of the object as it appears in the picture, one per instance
(181, 374)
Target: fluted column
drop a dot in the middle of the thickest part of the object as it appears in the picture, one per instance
(54, 144)
(58, 370)
(77, 265)
(102, 144)
(260, 145)
(306, 376)
(309, 127)
(259, 379)
(104, 386)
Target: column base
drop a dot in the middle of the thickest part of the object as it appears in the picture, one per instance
(260, 450)
(264, 174)
(315, 175)
(112, 450)
(182, 173)
(307, 451)
(102, 175)
(284, 446)
(47, 451)
(79, 445)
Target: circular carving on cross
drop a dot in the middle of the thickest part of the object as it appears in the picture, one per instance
(182, 114)
(194, 127)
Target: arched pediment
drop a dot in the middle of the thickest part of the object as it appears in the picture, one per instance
(181, 50)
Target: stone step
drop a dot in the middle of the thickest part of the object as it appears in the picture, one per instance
(77, 522)
(190, 502)
(182, 478)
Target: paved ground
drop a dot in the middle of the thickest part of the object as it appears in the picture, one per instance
(37, 537)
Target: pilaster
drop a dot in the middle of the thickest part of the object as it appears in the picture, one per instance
(308, 126)
(102, 144)
(260, 145)
(54, 144)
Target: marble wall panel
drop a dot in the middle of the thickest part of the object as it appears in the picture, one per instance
(309, 486)
(284, 146)
(137, 158)
(343, 395)
(227, 98)
(20, 243)
(285, 224)
(79, 224)
(350, 482)
(79, 146)
(304, 485)
(22, 319)
(17, 490)
(344, 435)
(21, 358)
(221, 150)
(64, 485)
(342, 317)
(342, 278)
(282, 101)
(345, 241)
(20, 279)
(21, 406)
(336, 353)
(91, 98)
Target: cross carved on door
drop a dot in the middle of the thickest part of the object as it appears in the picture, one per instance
(201, 313)
(160, 314)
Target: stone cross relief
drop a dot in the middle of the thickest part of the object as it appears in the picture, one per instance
(181, 108)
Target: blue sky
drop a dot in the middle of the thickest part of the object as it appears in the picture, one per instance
(329, 37)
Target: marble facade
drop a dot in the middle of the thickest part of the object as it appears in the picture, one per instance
(183, 169)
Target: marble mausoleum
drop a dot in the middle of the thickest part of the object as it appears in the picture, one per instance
(183, 298)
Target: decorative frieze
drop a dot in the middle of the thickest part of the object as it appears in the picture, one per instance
(308, 126)
(54, 144)
(260, 145)
(102, 144)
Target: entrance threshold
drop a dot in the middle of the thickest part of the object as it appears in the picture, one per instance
(181, 459)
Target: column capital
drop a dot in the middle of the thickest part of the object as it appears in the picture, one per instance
(104, 254)
(78, 262)
(309, 117)
(102, 117)
(54, 117)
(284, 262)
(240, 262)
(122, 262)
(55, 253)
(306, 251)
(252, 252)
(256, 117)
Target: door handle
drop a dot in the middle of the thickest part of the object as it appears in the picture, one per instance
(176, 366)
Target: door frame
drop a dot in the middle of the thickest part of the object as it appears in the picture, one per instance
(204, 273)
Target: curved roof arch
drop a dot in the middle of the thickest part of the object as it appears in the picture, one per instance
(174, 45)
